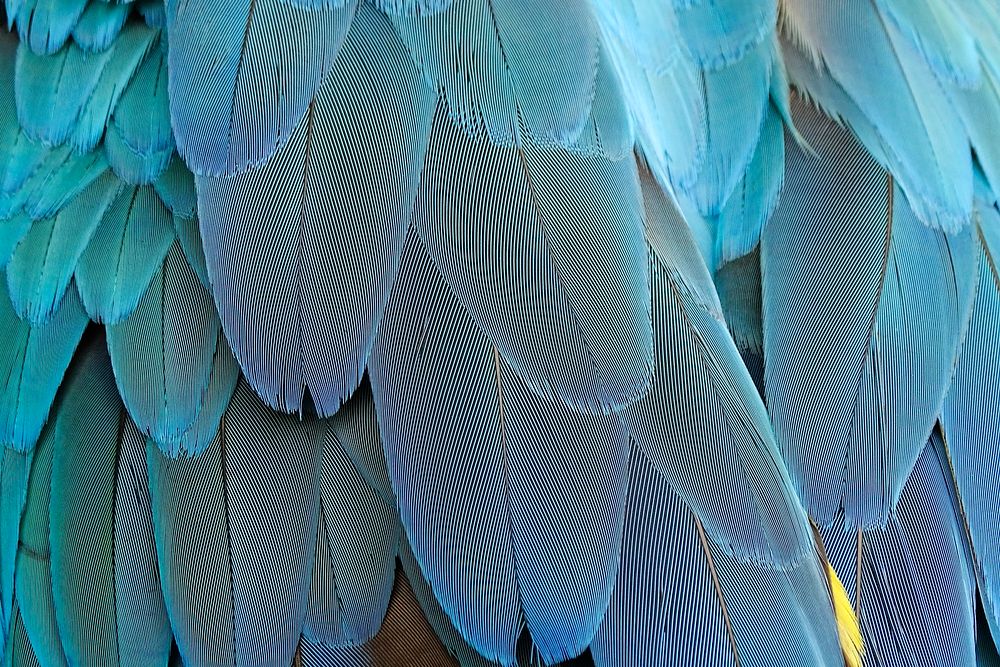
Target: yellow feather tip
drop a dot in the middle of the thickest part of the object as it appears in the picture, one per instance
(847, 621)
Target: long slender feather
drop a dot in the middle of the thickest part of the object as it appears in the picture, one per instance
(243, 73)
(33, 360)
(856, 364)
(302, 271)
(971, 417)
(911, 581)
(512, 502)
(14, 479)
(235, 559)
(106, 589)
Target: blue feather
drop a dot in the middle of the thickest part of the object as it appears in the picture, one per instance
(358, 534)
(483, 55)
(105, 585)
(14, 474)
(235, 558)
(44, 261)
(243, 73)
(165, 354)
(33, 360)
(100, 24)
(911, 581)
(34, 562)
(552, 232)
(512, 502)
(123, 255)
(856, 365)
(301, 273)
(682, 599)
(45, 25)
(971, 417)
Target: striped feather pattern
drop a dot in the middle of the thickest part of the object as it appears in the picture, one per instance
(33, 360)
(302, 252)
(108, 604)
(142, 117)
(14, 484)
(235, 558)
(856, 365)
(164, 355)
(242, 74)
(702, 406)
(483, 55)
(34, 558)
(512, 502)
(17, 649)
(45, 25)
(70, 95)
(100, 24)
(911, 582)
(680, 599)
(894, 89)
(49, 180)
(971, 418)
(43, 262)
(546, 231)
(124, 253)
(357, 539)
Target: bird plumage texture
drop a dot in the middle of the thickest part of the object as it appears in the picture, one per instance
(362, 333)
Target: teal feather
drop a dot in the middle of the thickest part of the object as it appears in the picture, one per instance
(189, 236)
(14, 485)
(12, 230)
(45, 25)
(34, 558)
(55, 181)
(164, 354)
(123, 255)
(176, 188)
(105, 584)
(141, 121)
(33, 361)
(44, 261)
(100, 24)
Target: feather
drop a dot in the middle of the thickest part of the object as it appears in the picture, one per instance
(971, 417)
(856, 367)
(718, 33)
(141, 123)
(509, 231)
(450, 637)
(681, 599)
(105, 586)
(911, 581)
(358, 535)
(483, 55)
(43, 262)
(242, 74)
(70, 95)
(100, 24)
(45, 25)
(896, 92)
(411, 7)
(17, 649)
(739, 288)
(738, 226)
(123, 255)
(512, 502)
(164, 354)
(303, 251)
(33, 360)
(56, 180)
(235, 559)
(12, 230)
(34, 558)
(189, 236)
(14, 472)
(177, 190)
(702, 405)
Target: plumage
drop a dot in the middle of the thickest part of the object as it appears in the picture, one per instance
(326, 217)
(856, 368)
(501, 544)
(424, 333)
